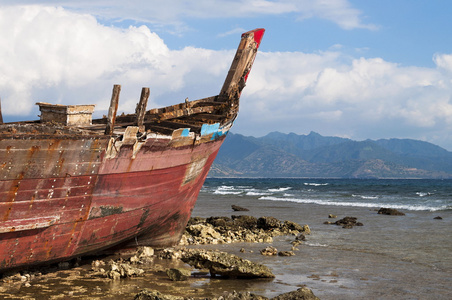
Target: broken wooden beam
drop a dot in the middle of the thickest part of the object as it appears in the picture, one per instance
(111, 118)
(140, 111)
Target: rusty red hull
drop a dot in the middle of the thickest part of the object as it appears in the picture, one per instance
(71, 186)
(78, 208)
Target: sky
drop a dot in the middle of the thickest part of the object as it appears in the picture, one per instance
(359, 69)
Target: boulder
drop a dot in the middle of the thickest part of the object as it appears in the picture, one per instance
(269, 251)
(268, 223)
(286, 253)
(300, 294)
(224, 264)
(155, 295)
(239, 208)
(390, 211)
(178, 274)
(347, 222)
(248, 222)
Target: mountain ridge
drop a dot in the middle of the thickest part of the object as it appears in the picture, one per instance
(313, 155)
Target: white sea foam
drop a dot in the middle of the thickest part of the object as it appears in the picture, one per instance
(279, 189)
(416, 207)
(315, 184)
(227, 190)
(315, 244)
(252, 193)
(421, 194)
(365, 197)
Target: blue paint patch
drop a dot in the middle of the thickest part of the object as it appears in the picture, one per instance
(185, 132)
(207, 129)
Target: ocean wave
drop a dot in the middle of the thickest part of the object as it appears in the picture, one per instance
(365, 197)
(417, 207)
(217, 192)
(422, 194)
(315, 184)
(279, 189)
(252, 193)
(227, 190)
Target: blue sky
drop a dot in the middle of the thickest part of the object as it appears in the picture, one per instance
(358, 69)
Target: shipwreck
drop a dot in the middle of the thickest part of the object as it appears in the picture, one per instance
(71, 185)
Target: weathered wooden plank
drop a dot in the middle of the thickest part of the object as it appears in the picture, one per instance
(113, 109)
(140, 111)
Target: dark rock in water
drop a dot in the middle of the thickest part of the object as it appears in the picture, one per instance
(286, 253)
(178, 274)
(289, 225)
(269, 251)
(390, 211)
(154, 295)
(437, 218)
(300, 294)
(301, 237)
(347, 222)
(331, 216)
(268, 223)
(239, 208)
(224, 264)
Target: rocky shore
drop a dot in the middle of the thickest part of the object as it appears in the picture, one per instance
(182, 263)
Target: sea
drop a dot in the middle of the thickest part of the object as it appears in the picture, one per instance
(389, 257)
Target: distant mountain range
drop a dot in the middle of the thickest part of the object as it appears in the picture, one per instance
(313, 155)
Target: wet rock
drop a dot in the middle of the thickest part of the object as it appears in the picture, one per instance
(300, 237)
(390, 211)
(438, 218)
(331, 216)
(224, 264)
(115, 269)
(286, 253)
(347, 222)
(248, 222)
(306, 229)
(300, 294)
(154, 295)
(178, 274)
(239, 296)
(289, 225)
(268, 223)
(239, 208)
(220, 230)
(269, 251)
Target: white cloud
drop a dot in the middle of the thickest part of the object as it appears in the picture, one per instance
(55, 55)
(177, 12)
(365, 98)
(61, 56)
(443, 61)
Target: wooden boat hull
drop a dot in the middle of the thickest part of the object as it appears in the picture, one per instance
(70, 190)
(75, 208)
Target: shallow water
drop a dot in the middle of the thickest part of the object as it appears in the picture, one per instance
(390, 257)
